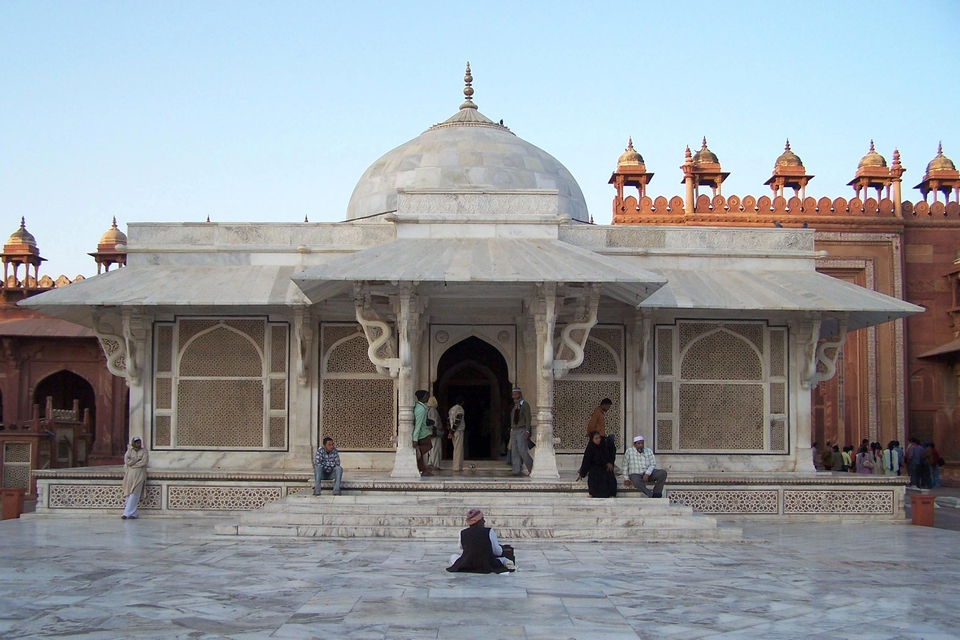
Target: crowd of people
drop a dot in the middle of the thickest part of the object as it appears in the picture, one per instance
(919, 460)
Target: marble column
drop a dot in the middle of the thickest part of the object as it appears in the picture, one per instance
(409, 329)
(545, 319)
(803, 338)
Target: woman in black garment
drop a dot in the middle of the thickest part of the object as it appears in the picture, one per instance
(597, 468)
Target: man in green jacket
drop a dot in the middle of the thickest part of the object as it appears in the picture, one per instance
(421, 433)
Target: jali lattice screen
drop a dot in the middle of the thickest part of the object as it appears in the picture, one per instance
(580, 391)
(721, 387)
(16, 465)
(358, 406)
(220, 383)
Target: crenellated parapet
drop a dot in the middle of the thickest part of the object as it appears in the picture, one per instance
(873, 174)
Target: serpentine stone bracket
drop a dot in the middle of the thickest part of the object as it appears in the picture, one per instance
(829, 361)
(822, 352)
(810, 356)
(583, 324)
(369, 320)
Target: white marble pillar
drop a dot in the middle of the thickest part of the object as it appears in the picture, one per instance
(803, 340)
(408, 327)
(545, 319)
(303, 427)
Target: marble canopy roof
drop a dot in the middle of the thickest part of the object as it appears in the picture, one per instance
(482, 260)
(479, 260)
(247, 286)
(811, 291)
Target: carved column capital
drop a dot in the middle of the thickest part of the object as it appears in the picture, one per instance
(303, 337)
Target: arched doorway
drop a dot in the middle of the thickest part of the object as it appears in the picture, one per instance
(65, 387)
(73, 441)
(476, 371)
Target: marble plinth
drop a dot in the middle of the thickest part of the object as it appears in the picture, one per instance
(840, 496)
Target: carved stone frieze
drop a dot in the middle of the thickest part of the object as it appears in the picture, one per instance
(483, 203)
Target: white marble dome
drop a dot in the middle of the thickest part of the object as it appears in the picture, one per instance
(464, 153)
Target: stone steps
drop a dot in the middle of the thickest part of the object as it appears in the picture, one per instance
(506, 535)
(497, 521)
(437, 515)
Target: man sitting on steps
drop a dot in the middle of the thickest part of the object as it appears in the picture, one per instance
(639, 468)
(326, 465)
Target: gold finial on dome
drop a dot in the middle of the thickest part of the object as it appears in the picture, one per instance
(630, 156)
(468, 90)
(941, 162)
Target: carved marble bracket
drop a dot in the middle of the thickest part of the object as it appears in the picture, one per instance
(823, 352)
(590, 302)
(135, 330)
(810, 354)
(303, 335)
(829, 360)
(369, 320)
(642, 328)
(113, 344)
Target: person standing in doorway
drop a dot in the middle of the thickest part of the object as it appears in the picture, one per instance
(134, 477)
(520, 423)
(456, 421)
(435, 424)
(421, 433)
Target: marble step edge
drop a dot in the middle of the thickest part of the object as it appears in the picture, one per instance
(559, 522)
(508, 534)
(568, 513)
(323, 504)
(472, 498)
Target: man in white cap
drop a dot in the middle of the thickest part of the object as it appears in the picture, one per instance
(640, 467)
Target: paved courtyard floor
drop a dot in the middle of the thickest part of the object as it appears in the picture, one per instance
(169, 578)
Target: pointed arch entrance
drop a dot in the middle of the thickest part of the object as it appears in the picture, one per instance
(476, 371)
(66, 387)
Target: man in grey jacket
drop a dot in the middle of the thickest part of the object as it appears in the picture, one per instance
(520, 433)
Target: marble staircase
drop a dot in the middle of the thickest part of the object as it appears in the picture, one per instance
(515, 515)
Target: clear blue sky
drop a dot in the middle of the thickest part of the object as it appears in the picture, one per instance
(267, 111)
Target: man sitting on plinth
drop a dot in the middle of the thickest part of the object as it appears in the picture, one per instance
(326, 465)
(640, 467)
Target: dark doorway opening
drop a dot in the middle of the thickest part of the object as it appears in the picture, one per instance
(477, 372)
(65, 387)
